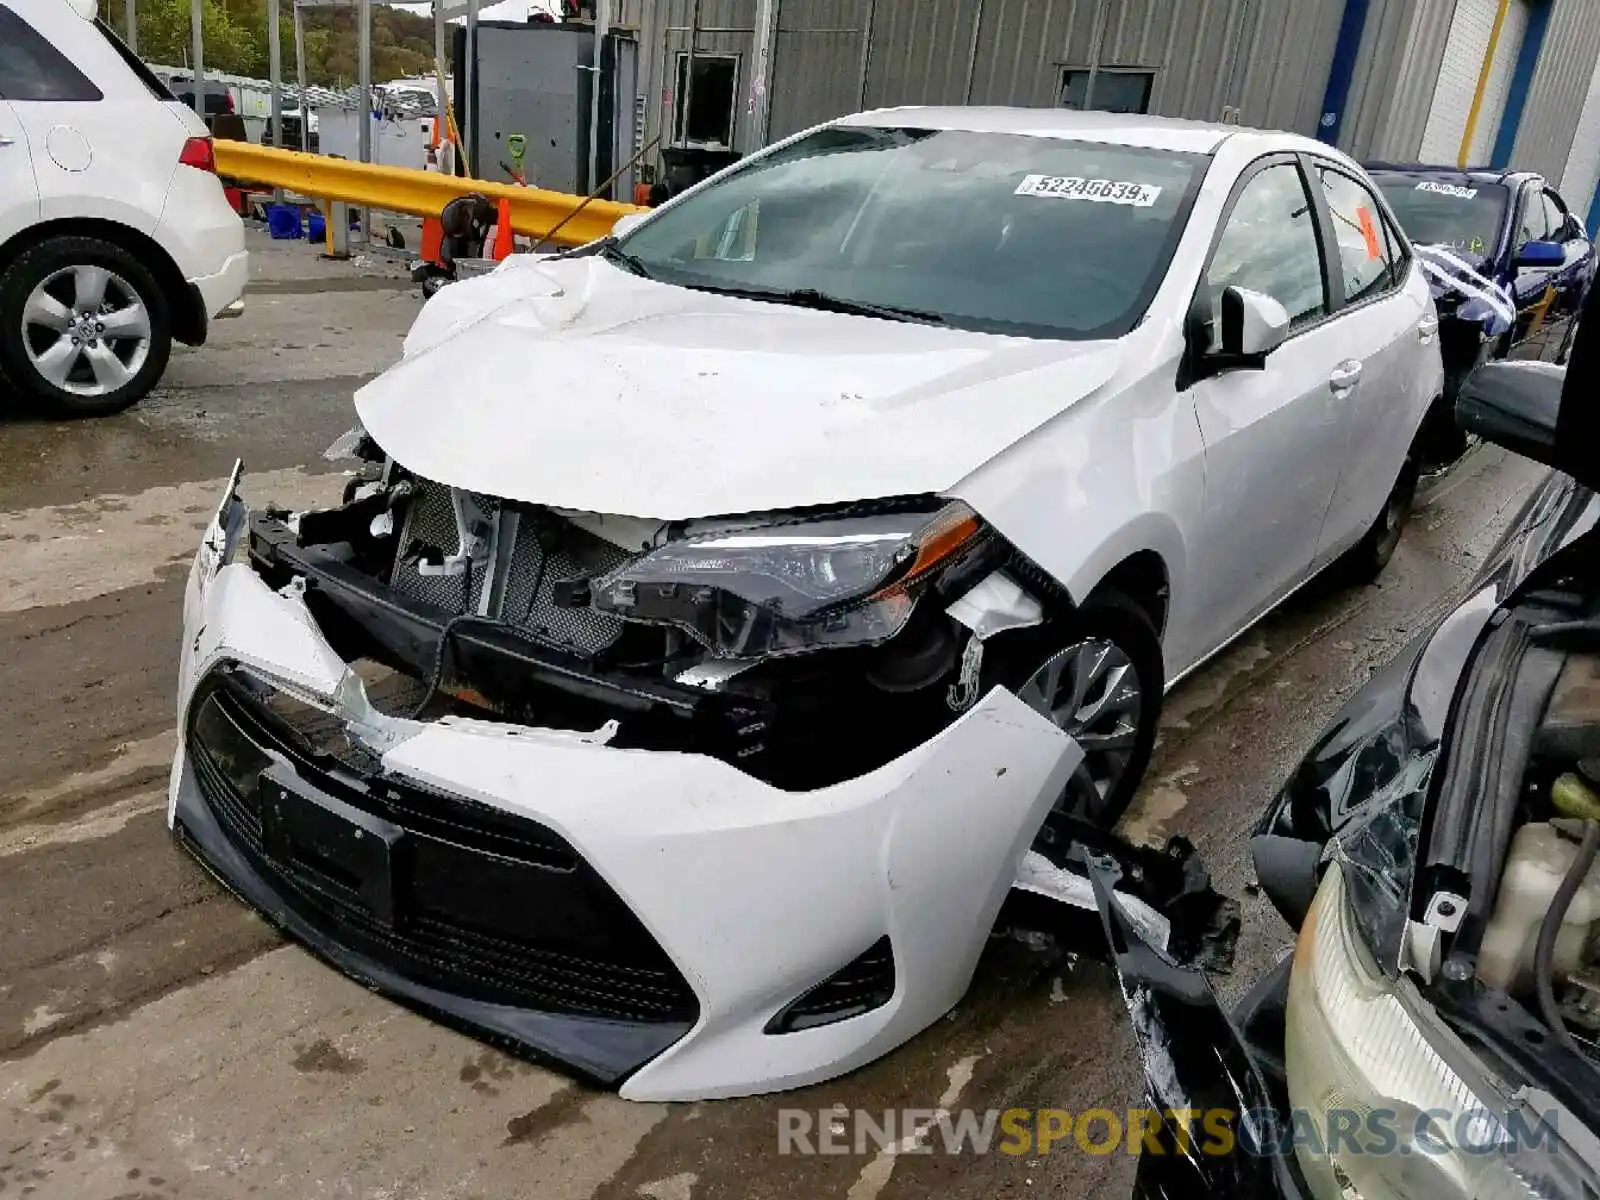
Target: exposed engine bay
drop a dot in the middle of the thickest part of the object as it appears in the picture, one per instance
(1505, 902)
(1542, 943)
(567, 620)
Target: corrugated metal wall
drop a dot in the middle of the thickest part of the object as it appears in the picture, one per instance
(1023, 48)
(726, 27)
(1582, 173)
(1397, 69)
(816, 63)
(919, 51)
(1281, 73)
(1560, 85)
(1267, 59)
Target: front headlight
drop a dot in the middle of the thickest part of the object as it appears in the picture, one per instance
(1389, 1104)
(781, 589)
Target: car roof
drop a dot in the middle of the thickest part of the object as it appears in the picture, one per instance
(1462, 176)
(1127, 129)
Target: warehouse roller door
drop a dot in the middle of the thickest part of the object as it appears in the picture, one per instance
(1470, 30)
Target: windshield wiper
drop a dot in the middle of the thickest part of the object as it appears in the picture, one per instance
(812, 298)
(611, 251)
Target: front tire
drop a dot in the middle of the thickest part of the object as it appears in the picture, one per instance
(85, 329)
(1097, 675)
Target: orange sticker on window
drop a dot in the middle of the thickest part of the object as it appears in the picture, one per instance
(1369, 230)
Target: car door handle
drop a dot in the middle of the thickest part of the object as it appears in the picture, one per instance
(5, 141)
(1345, 377)
(1426, 328)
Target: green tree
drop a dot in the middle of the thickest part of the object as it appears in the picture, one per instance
(235, 39)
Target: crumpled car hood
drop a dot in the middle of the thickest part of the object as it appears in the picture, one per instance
(574, 384)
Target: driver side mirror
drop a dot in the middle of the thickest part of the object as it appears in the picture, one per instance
(1542, 255)
(1237, 335)
(1246, 327)
(1251, 324)
(1515, 405)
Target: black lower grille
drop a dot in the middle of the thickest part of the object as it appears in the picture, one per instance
(865, 983)
(485, 904)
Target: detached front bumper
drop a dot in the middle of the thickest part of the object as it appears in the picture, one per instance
(656, 921)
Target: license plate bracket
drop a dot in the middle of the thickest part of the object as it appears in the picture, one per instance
(338, 843)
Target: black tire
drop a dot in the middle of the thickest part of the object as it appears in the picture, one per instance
(1441, 441)
(1108, 616)
(1564, 352)
(1366, 560)
(131, 282)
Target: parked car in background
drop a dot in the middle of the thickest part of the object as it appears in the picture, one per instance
(216, 97)
(115, 236)
(1436, 1032)
(1510, 233)
(853, 514)
(408, 97)
(294, 137)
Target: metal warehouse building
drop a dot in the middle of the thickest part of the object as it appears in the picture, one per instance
(1510, 82)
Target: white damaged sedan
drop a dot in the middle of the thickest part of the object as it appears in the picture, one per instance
(727, 615)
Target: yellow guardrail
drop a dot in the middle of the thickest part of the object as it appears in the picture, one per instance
(423, 193)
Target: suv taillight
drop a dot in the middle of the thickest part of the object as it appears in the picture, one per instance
(199, 154)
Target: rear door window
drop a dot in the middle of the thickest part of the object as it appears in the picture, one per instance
(1366, 253)
(32, 69)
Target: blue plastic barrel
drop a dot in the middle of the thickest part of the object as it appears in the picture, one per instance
(283, 222)
(316, 227)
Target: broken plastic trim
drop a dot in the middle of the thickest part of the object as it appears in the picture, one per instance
(1195, 1064)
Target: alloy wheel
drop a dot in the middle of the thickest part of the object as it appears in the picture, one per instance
(86, 330)
(1092, 692)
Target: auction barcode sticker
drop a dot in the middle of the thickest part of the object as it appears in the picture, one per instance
(1447, 189)
(1103, 191)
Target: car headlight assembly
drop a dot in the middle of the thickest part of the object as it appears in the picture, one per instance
(789, 588)
(1387, 1103)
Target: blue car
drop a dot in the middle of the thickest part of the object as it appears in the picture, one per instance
(1510, 266)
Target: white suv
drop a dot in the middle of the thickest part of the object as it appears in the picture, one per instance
(115, 236)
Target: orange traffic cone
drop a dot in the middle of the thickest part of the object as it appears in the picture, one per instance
(504, 239)
(432, 239)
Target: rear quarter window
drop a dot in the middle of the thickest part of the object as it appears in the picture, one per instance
(32, 69)
(146, 76)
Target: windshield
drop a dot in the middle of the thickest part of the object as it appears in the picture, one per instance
(1463, 217)
(999, 233)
